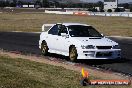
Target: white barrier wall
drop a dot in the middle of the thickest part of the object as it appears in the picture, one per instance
(31, 6)
(123, 14)
(59, 12)
(65, 13)
(130, 15)
(25, 6)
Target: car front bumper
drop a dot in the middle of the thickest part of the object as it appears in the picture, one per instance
(99, 54)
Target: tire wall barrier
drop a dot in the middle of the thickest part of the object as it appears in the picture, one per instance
(80, 13)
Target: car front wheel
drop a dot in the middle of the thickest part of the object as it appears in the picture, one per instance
(44, 48)
(73, 53)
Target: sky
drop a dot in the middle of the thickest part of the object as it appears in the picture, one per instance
(120, 1)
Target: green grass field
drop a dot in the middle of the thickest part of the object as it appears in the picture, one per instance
(119, 26)
(20, 73)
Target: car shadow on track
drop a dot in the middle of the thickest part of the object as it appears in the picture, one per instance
(57, 56)
(91, 61)
(102, 61)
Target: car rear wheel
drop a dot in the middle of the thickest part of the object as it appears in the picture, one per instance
(44, 48)
(73, 53)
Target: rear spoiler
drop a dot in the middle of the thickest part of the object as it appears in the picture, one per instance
(46, 27)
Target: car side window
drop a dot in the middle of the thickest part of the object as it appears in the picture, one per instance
(62, 29)
(54, 30)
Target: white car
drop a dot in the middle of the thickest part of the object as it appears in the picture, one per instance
(78, 41)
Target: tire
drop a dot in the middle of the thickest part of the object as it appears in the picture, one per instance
(73, 54)
(44, 48)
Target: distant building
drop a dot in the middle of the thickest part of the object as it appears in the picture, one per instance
(110, 4)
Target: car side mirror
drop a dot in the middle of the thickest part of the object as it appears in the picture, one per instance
(102, 34)
(64, 35)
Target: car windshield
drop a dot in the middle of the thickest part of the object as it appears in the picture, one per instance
(83, 31)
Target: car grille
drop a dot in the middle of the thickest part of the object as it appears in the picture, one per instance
(104, 47)
(102, 54)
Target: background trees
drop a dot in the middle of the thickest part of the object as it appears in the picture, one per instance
(62, 4)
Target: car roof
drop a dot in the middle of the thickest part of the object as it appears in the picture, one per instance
(68, 24)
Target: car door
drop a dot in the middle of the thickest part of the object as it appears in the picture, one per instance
(63, 41)
(52, 38)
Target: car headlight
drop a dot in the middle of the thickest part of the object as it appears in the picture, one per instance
(88, 47)
(116, 47)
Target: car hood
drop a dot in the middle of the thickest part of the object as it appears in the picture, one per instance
(97, 41)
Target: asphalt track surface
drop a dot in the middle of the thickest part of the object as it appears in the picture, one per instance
(27, 43)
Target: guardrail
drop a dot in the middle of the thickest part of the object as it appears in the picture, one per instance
(123, 14)
(86, 13)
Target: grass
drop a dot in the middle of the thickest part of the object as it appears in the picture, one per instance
(121, 26)
(20, 73)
